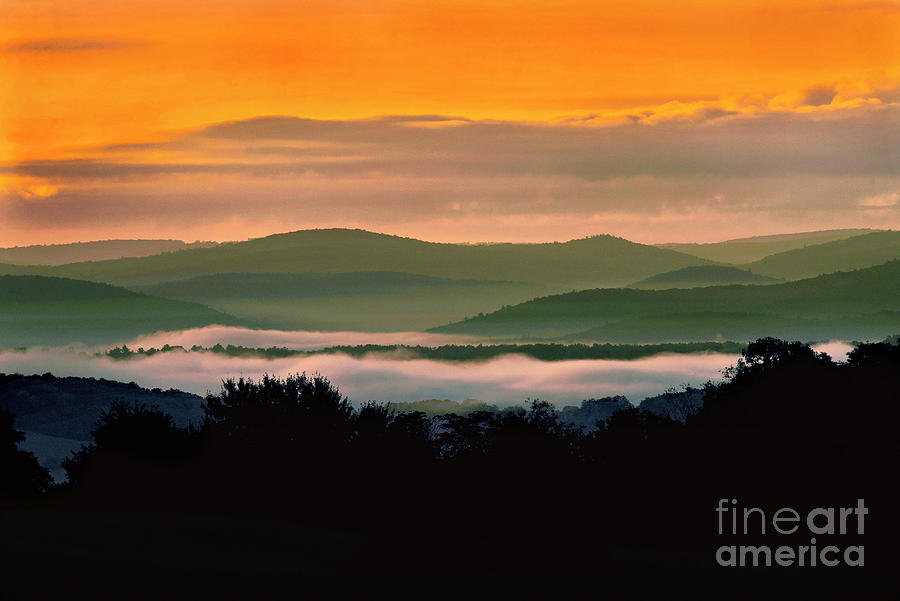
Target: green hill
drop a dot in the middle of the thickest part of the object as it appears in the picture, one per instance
(304, 285)
(588, 262)
(870, 295)
(746, 250)
(702, 275)
(101, 250)
(853, 253)
(363, 301)
(697, 327)
(11, 269)
(44, 310)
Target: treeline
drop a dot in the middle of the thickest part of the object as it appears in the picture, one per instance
(450, 352)
(495, 493)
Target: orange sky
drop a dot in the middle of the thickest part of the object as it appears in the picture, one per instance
(77, 74)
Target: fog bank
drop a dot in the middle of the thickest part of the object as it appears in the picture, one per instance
(504, 380)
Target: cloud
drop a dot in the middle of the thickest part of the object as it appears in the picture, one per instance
(886, 94)
(713, 112)
(468, 179)
(39, 191)
(61, 45)
(27, 188)
(702, 143)
(819, 95)
(99, 169)
(889, 199)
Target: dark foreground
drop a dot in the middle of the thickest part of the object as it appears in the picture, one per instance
(287, 487)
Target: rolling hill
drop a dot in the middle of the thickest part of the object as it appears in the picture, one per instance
(342, 279)
(866, 296)
(702, 275)
(840, 255)
(588, 262)
(362, 301)
(101, 250)
(306, 285)
(747, 250)
(37, 310)
(707, 326)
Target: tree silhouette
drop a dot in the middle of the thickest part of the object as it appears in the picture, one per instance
(20, 472)
(128, 435)
(491, 490)
(280, 411)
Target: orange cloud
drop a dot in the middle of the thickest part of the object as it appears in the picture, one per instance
(27, 188)
(103, 71)
(104, 98)
(40, 191)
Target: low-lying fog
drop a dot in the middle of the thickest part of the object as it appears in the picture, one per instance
(299, 340)
(504, 380)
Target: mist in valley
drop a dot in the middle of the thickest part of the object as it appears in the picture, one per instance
(509, 379)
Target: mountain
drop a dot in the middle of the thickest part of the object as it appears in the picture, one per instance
(47, 310)
(746, 250)
(60, 254)
(853, 253)
(702, 275)
(588, 262)
(863, 300)
(361, 301)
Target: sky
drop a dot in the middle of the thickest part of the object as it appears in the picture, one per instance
(453, 121)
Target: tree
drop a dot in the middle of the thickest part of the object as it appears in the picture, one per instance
(280, 411)
(882, 354)
(20, 472)
(767, 353)
(127, 434)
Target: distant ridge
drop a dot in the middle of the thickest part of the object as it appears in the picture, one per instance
(703, 275)
(856, 252)
(596, 261)
(867, 300)
(813, 235)
(746, 250)
(100, 250)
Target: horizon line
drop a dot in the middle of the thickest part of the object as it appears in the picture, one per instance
(467, 243)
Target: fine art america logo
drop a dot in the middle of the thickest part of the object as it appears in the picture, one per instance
(820, 521)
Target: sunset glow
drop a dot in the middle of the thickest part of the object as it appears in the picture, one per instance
(450, 121)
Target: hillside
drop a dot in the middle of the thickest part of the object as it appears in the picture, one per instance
(305, 285)
(746, 250)
(57, 414)
(702, 275)
(588, 262)
(697, 327)
(868, 295)
(362, 301)
(45, 310)
(101, 250)
(841, 255)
